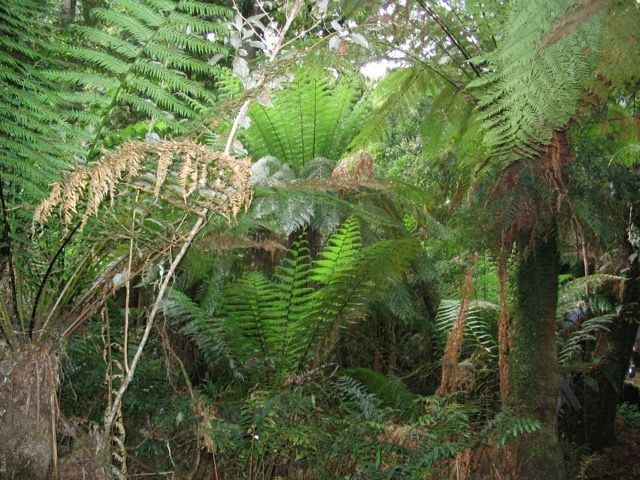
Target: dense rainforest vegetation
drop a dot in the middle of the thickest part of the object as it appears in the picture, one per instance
(335, 239)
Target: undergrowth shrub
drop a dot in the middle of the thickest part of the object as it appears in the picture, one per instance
(158, 415)
(629, 413)
(337, 428)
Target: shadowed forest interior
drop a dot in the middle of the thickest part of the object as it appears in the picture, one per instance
(315, 240)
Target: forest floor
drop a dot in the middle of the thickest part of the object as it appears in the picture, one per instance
(620, 462)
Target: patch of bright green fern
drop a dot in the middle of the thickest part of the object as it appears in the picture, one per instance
(314, 116)
(145, 56)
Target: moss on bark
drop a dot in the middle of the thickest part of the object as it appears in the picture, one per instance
(533, 370)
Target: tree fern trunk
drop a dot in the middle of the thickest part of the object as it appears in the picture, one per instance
(533, 370)
(28, 386)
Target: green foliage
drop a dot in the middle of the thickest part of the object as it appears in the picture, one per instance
(576, 289)
(145, 56)
(147, 68)
(389, 390)
(629, 413)
(480, 324)
(315, 429)
(275, 327)
(141, 69)
(536, 76)
(339, 254)
(445, 427)
(314, 116)
(32, 147)
(508, 426)
(621, 46)
(286, 208)
(398, 91)
(577, 339)
(157, 411)
(628, 155)
(357, 397)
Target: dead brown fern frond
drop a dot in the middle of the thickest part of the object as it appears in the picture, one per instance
(197, 175)
(452, 373)
(355, 167)
(504, 328)
(224, 241)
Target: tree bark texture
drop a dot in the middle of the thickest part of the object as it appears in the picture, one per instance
(533, 367)
(68, 12)
(28, 412)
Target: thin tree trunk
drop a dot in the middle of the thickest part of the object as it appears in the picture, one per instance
(68, 12)
(533, 368)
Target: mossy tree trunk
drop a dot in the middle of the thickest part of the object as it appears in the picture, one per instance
(533, 367)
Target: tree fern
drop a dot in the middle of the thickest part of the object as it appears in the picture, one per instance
(534, 85)
(59, 99)
(309, 118)
(279, 324)
(289, 208)
(32, 150)
(149, 56)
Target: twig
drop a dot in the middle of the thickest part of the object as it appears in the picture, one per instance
(202, 219)
(451, 36)
(32, 322)
(111, 412)
(127, 287)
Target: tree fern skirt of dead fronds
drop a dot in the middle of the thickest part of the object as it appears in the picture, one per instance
(181, 172)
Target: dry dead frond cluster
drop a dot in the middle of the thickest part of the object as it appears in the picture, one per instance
(184, 170)
(356, 167)
(225, 241)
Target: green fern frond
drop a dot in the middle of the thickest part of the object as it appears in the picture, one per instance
(578, 289)
(32, 137)
(294, 305)
(480, 322)
(151, 56)
(247, 309)
(309, 118)
(628, 156)
(278, 323)
(339, 253)
(534, 87)
(357, 399)
(571, 348)
(389, 390)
